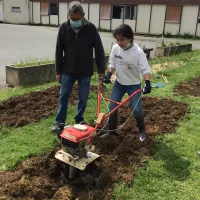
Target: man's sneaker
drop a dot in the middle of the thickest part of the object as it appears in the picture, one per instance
(143, 136)
(57, 127)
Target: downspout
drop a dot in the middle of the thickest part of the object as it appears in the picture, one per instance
(29, 13)
(3, 10)
(32, 14)
(180, 20)
(165, 20)
(136, 20)
(150, 18)
(111, 10)
(197, 21)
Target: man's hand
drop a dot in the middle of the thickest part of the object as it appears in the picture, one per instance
(107, 78)
(147, 87)
(58, 78)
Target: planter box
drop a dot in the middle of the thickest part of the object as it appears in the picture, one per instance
(166, 51)
(30, 75)
(33, 75)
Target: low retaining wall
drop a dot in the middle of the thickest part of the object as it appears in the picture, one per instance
(166, 51)
(33, 75)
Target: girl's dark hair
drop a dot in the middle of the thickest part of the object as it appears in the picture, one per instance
(124, 30)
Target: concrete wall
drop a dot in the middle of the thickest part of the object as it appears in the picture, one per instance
(172, 28)
(30, 12)
(85, 8)
(143, 17)
(131, 23)
(94, 14)
(1, 10)
(36, 13)
(21, 17)
(198, 30)
(188, 24)
(54, 19)
(115, 23)
(45, 19)
(63, 10)
(157, 23)
(105, 24)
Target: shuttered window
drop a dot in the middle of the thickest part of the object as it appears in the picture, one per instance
(173, 14)
(105, 11)
(44, 8)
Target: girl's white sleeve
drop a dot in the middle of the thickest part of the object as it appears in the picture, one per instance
(112, 59)
(143, 64)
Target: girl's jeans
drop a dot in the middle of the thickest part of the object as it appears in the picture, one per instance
(118, 92)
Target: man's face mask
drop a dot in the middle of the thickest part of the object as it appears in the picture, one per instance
(76, 24)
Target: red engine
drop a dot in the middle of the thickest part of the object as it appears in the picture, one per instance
(78, 133)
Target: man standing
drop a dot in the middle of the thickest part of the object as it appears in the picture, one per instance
(74, 61)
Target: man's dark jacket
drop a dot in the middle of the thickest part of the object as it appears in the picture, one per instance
(74, 52)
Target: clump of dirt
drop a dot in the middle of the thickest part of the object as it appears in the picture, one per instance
(191, 88)
(38, 178)
(20, 111)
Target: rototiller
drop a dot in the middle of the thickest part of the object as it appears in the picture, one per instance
(77, 152)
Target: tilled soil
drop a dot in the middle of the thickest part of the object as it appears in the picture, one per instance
(20, 111)
(39, 178)
(191, 88)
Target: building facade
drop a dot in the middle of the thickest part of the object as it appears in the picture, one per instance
(144, 16)
(1, 10)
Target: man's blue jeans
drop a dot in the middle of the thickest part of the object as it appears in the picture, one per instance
(118, 92)
(67, 83)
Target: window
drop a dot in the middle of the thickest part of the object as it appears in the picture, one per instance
(53, 9)
(48, 8)
(105, 11)
(173, 14)
(16, 9)
(118, 12)
(44, 8)
(130, 12)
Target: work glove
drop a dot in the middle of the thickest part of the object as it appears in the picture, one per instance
(147, 87)
(107, 78)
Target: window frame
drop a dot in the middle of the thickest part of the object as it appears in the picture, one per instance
(44, 14)
(132, 8)
(122, 6)
(15, 9)
(167, 15)
(110, 8)
(52, 3)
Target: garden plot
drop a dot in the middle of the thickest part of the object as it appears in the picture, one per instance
(36, 179)
(191, 88)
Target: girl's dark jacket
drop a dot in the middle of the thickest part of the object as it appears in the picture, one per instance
(74, 52)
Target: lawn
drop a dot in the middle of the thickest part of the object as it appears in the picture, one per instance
(172, 172)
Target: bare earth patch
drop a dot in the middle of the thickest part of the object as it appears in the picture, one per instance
(191, 88)
(37, 179)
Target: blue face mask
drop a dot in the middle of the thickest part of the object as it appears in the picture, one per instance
(76, 24)
(127, 46)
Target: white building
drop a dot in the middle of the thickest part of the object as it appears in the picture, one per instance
(1, 10)
(144, 16)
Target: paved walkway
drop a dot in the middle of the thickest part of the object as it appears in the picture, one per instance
(19, 42)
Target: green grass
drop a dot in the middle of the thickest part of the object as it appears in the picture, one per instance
(173, 172)
(28, 62)
(21, 90)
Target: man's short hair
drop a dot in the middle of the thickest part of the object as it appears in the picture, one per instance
(76, 7)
